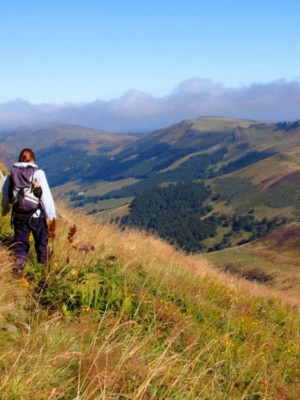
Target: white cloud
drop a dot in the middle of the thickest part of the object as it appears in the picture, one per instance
(274, 101)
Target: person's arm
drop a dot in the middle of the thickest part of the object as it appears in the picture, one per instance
(46, 199)
(5, 197)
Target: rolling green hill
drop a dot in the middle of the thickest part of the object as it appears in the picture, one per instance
(62, 135)
(65, 151)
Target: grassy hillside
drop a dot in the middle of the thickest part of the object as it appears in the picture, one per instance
(122, 315)
(272, 260)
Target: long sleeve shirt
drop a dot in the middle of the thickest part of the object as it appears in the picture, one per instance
(47, 202)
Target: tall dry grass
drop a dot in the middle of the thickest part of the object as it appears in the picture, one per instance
(11, 295)
(135, 247)
(193, 333)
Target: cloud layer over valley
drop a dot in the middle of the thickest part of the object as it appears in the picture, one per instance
(137, 111)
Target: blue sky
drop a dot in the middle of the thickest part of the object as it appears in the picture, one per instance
(75, 51)
(93, 49)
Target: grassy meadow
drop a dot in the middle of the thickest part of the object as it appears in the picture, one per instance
(123, 315)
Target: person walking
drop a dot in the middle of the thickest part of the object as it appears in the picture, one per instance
(27, 190)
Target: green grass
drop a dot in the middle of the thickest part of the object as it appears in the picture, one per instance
(215, 124)
(283, 195)
(108, 204)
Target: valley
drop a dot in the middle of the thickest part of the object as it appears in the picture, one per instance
(249, 170)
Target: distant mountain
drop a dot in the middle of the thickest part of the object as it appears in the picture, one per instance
(61, 136)
(64, 150)
(170, 147)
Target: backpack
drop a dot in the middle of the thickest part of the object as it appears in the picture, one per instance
(22, 193)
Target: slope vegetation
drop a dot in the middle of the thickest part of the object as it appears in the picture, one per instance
(122, 315)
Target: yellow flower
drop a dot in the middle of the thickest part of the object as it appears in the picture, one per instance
(54, 266)
(74, 272)
(24, 282)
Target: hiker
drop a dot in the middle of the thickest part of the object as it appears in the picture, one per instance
(27, 190)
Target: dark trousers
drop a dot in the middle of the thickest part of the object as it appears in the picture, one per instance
(22, 228)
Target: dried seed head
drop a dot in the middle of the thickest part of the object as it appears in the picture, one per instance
(71, 233)
(51, 229)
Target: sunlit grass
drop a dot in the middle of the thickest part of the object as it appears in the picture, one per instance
(122, 315)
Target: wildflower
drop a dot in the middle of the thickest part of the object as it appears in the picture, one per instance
(24, 282)
(51, 229)
(54, 266)
(74, 272)
(84, 248)
(71, 233)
